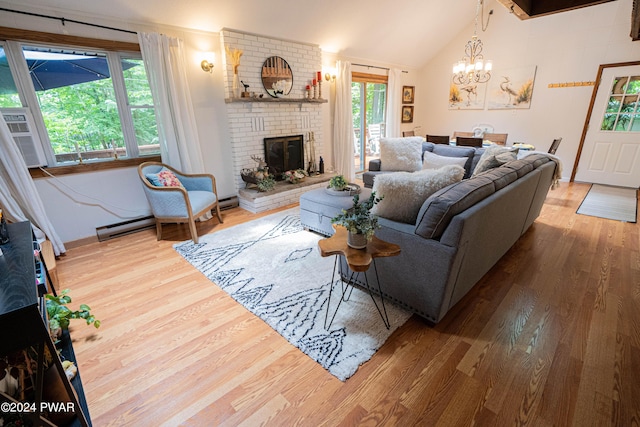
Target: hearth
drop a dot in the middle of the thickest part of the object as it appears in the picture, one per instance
(284, 153)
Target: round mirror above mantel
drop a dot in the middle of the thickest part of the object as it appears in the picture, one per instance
(277, 77)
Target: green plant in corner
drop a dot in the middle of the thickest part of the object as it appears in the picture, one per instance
(60, 315)
(358, 219)
(338, 183)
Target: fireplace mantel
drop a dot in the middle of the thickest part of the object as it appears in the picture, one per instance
(281, 100)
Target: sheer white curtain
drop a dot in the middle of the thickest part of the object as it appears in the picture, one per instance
(18, 194)
(165, 61)
(394, 103)
(343, 123)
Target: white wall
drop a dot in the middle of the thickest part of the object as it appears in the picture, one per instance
(565, 47)
(78, 204)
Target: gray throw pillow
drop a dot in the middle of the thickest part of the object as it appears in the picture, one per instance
(493, 157)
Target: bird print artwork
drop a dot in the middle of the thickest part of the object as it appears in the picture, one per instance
(467, 97)
(505, 87)
(513, 89)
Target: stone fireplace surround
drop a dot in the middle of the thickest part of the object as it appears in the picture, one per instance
(252, 120)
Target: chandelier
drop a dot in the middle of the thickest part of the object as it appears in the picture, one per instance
(473, 68)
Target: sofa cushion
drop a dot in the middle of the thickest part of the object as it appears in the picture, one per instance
(434, 161)
(436, 212)
(404, 192)
(401, 154)
(501, 176)
(493, 157)
(521, 166)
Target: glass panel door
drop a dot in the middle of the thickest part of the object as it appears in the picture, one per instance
(369, 101)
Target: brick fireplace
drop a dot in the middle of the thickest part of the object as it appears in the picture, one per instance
(251, 120)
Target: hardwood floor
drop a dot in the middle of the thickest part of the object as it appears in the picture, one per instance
(550, 336)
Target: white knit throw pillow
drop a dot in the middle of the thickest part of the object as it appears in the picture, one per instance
(404, 192)
(401, 154)
(434, 161)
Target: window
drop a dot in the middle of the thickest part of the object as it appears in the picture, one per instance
(8, 91)
(93, 105)
(623, 113)
(368, 95)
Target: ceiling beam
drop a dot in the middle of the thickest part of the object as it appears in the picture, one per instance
(525, 9)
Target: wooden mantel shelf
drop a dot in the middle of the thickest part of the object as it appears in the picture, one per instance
(271, 99)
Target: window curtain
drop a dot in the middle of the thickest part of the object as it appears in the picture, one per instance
(343, 139)
(394, 103)
(18, 195)
(164, 60)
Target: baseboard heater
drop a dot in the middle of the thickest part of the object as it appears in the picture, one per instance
(229, 202)
(112, 231)
(126, 227)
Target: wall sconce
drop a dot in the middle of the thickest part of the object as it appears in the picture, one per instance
(330, 74)
(208, 63)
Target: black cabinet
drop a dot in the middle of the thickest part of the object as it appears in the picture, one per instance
(23, 325)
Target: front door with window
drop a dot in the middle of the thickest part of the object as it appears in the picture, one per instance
(611, 149)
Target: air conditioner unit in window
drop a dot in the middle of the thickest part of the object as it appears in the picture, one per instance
(20, 123)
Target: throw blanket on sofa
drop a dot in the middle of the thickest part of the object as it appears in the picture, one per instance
(557, 175)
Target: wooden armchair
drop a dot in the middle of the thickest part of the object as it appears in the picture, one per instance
(182, 202)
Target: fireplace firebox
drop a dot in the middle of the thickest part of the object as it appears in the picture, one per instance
(284, 153)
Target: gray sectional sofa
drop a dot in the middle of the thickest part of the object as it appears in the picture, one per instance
(461, 231)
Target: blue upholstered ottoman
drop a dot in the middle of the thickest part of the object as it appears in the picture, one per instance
(317, 207)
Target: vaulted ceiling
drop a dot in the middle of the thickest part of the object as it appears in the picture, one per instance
(404, 32)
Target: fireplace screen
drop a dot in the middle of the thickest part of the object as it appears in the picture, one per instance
(284, 153)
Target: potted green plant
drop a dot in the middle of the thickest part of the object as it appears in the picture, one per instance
(359, 221)
(60, 315)
(338, 183)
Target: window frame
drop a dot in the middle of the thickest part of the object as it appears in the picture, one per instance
(13, 38)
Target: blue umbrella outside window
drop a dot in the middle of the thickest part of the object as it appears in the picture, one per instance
(49, 70)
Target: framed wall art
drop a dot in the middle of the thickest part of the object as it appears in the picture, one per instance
(512, 88)
(407, 114)
(408, 94)
(467, 97)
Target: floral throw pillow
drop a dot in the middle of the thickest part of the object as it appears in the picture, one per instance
(164, 178)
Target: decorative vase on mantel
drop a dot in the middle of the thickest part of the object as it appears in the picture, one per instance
(357, 240)
(236, 84)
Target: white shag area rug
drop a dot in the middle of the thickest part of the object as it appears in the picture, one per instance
(273, 267)
(609, 202)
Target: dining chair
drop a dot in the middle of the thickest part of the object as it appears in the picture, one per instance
(464, 141)
(554, 145)
(438, 139)
(496, 138)
(406, 133)
(465, 134)
(177, 197)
